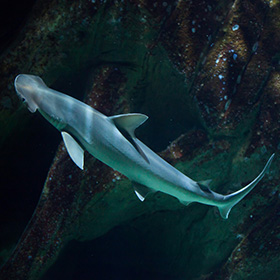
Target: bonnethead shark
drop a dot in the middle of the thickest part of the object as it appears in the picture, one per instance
(112, 141)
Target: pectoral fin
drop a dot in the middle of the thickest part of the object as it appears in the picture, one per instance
(141, 191)
(74, 149)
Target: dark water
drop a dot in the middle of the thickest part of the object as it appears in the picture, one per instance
(25, 161)
(120, 254)
(171, 241)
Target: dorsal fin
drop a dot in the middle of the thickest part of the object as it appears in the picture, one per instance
(126, 124)
(129, 122)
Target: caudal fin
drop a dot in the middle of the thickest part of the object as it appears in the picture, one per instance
(234, 198)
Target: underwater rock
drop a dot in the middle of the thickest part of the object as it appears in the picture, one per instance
(236, 69)
(257, 254)
(207, 75)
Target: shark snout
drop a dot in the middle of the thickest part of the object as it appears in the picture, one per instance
(18, 83)
(28, 88)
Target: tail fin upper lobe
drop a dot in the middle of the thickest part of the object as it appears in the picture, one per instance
(234, 198)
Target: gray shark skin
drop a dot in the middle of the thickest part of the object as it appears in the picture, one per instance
(112, 141)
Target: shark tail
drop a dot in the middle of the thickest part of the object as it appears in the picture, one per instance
(232, 199)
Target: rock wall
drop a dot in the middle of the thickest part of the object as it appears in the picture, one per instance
(207, 75)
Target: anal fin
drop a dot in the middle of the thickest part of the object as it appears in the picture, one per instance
(186, 203)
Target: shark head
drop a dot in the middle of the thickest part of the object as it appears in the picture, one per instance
(29, 88)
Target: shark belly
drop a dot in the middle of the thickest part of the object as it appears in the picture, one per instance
(157, 174)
